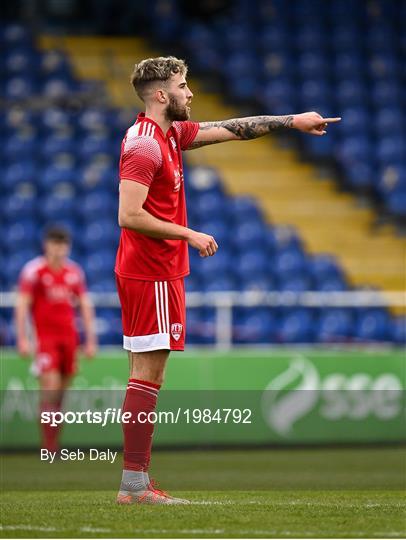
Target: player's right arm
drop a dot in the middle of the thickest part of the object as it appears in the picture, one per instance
(22, 310)
(132, 215)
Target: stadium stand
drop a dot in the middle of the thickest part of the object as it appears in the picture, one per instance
(297, 55)
(59, 163)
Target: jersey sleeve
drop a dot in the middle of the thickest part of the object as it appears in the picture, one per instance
(187, 132)
(140, 159)
(28, 279)
(80, 285)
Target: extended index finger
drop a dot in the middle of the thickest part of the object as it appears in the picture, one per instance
(330, 120)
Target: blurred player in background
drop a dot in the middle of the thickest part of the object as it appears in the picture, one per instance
(50, 287)
(152, 258)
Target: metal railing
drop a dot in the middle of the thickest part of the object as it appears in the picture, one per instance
(224, 302)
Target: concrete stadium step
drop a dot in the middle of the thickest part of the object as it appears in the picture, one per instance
(289, 191)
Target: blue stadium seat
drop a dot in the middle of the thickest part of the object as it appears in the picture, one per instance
(257, 283)
(395, 202)
(249, 233)
(98, 205)
(324, 266)
(211, 205)
(355, 121)
(192, 283)
(319, 147)
(21, 146)
(95, 120)
(277, 65)
(296, 326)
(20, 88)
(354, 149)
(58, 206)
(18, 235)
(289, 263)
(398, 328)
(101, 234)
(256, 325)
(109, 327)
(391, 150)
(243, 208)
(96, 143)
(219, 266)
(382, 66)
(252, 262)
(19, 173)
(348, 64)
(351, 92)
(295, 284)
(385, 93)
(99, 266)
(331, 284)
(220, 230)
(346, 37)
(389, 120)
(372, 325)
(103, 285)
(314, 92)
(17, 118)
(61, 170)
(54, 64)
(243, 87)
(334, 325)
(219, 284)
(18, 207)
(312, 65)
(16, 35)
(97, 178)
(60, 142)
(201, 325)
(360, 175)
(18, 62)
(273, 38)
(283, 237)
(392, 178)
(279, 95)
(56, 88)
(56, 119)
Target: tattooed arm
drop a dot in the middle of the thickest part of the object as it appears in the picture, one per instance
(242, 129)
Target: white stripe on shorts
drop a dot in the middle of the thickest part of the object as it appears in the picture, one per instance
(158, 315)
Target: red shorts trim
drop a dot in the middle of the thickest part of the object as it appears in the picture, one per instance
(56, 354)
(153, 314)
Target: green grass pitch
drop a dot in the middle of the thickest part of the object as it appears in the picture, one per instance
(347, 492)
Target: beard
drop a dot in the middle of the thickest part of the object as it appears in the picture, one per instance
(176, 112)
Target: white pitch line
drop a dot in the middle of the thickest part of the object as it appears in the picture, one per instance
(94, 529)
(181, 531)
(27, 528)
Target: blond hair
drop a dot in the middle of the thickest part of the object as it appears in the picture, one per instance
(153, 70)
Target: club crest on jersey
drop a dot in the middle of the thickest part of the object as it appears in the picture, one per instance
(173, 142)
(176, 330)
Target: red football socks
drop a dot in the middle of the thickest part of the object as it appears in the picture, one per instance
(141, 397)
(50, 434)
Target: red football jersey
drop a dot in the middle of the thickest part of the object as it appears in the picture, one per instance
(53, 295)
(153, 158)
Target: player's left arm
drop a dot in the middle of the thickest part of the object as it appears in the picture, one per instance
(87, 313)
(252, 127)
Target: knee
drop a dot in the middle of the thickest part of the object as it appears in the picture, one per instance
(151, 374)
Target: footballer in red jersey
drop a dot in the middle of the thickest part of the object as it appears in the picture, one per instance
(152, 258)
(50, 287)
